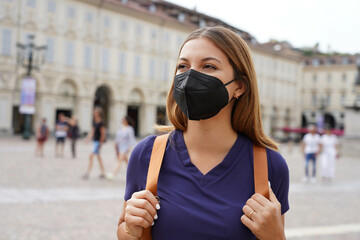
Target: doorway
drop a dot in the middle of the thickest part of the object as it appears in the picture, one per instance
(329, 120)
(102, 100)
(18, 121)
(66, 112)
(133, 112)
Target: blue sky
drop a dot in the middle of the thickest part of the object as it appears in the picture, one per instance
(334, 24)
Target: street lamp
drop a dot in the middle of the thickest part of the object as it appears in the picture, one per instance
(321, 118)
(29, 57)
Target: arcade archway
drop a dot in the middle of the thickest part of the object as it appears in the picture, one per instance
(102, 100)
(329, 120)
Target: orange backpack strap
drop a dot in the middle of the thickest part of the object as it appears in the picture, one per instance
(157, 156)
(261, 171)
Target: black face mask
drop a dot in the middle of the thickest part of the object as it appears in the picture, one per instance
(200, 96)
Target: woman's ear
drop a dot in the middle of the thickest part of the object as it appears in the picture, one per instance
(240, 89)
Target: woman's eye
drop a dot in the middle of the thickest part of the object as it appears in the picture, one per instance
(181, 66)
(208, 66)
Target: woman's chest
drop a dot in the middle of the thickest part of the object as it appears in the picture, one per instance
(193, 210)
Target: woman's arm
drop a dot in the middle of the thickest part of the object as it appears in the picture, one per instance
(302, 147)
(102, 134)
(121, 231)
(38, 132)
(90, 135)
(138, 213)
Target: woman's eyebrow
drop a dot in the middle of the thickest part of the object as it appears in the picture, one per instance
(211, 58)
(203, 60)
(184, 59)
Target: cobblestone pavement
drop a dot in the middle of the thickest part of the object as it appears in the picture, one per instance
(45, 198)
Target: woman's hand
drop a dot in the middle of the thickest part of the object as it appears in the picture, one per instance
(140, 212)
(263, 217)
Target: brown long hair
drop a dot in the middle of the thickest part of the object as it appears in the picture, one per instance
(246, 115)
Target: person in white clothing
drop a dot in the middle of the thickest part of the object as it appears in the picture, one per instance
(124, 141)
(328, 145)
(310, 148)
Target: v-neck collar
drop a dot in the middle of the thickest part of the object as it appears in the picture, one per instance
(215, 172)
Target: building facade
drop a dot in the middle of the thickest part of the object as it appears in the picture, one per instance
(121, 55)
(278, 70)
(327, 88)
(100, 53)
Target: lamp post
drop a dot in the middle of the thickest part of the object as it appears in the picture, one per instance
(29, 57)
(321, 119)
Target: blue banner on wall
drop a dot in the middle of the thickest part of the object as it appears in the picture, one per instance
(28, 92)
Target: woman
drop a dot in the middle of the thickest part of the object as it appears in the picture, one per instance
(42, 133)
(73, 133)
(328, 147)
(206, 185)
(125, 140)
(98, 134)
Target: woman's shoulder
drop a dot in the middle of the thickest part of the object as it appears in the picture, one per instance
(145, 143)
(143, 148)
(277, 162)
(275, 159)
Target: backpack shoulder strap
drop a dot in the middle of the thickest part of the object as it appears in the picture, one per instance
(260, 171)
(156, 159)
(157, 156)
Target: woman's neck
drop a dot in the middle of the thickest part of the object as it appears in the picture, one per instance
(215, 133)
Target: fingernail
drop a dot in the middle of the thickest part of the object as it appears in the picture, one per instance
(153, 224)
(269, 183)
(156, 216)
(157, 206)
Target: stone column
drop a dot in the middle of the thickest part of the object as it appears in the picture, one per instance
(280, 123)
(6, 112)
(352, 126)
(148, 116)
(46, 110)
(85, 114)
(118, 111)
(266, 120)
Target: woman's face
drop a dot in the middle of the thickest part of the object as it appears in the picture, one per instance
(124, 122)
(204, 56)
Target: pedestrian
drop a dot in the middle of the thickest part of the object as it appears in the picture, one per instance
(329, 144)
(124, 141)
(206, 181)
(60, 134)
(42, 133)
(98, 135)
(73, 134)
(310, 149)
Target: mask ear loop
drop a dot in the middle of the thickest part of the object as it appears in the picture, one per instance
(237, 98)
(229, 82)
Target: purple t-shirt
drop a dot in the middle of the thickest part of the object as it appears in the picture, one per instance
(204, 207)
